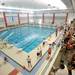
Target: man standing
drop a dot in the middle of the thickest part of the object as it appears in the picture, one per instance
(29, 61)
(49, 51)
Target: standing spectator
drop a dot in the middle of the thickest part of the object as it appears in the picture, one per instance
(56, 32)
(38, 53)
(69, 46)
(43, 43)
(49, 51)
(29, 61)
(5, 60)
(53, 44)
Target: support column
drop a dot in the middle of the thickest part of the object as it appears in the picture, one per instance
(66, 18)
(5, 20)
(28, 17)
(53, 19)
(43, 18)
(18, 19)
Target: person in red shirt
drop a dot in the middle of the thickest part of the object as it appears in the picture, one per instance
(69, 46)
(49, 51)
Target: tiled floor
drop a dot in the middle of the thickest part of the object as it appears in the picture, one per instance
(7, 68)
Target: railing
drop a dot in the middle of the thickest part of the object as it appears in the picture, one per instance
(47, 65)
(51, 62)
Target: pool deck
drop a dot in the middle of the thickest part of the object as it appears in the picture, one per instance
(6, 68)
(20, 57)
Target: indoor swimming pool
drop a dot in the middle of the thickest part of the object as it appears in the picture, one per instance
(25, 37)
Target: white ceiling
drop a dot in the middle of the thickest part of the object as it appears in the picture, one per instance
(24, 4)
(35, 4)
(70, 4)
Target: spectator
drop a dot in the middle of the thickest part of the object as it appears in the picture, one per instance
(29, 61)
(56, 32)
(5, 60)
(43, 43)
(49, 51)
(69, 46)
(38, 53)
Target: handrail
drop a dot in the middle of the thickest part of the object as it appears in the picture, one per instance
(47, 65)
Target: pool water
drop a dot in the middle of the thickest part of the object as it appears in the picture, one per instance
(26, 38)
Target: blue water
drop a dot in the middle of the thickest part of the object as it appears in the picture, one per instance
(26, 38)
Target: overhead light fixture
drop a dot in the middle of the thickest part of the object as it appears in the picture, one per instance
(2, 3)
(49, 5)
